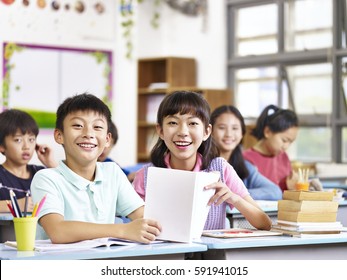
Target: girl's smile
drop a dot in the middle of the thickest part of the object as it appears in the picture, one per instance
(183, 135)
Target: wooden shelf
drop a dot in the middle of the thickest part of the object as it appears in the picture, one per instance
(178, 74)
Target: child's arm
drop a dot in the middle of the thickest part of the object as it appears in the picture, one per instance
(247, 206)
(61, 231)
(45, 155)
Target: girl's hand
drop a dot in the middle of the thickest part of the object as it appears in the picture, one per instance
(291, 180)
(223, 193)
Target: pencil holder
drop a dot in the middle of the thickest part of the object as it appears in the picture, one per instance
(25, 231)
(302, 186)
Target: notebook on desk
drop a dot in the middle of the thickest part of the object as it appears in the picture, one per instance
(46, 245)
(238, 232)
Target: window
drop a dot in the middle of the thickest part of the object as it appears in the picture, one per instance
(258, 85)
(260, 36)
(293, 53)
(308, 24)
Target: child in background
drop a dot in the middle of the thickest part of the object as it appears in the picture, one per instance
(18, 132)
(228, 129)
(83, 195)
(275, 130)
(185, 143)
(104, 157)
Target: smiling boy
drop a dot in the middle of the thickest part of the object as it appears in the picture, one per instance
(83, 195)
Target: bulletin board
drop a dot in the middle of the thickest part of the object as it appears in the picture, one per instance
(36, 78)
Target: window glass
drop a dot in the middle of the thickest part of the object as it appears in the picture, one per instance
(344, 25)
(344, 144)
(311, 87)
(255, 89)
(344, 79)
(305, 27)
(312, 144)
(257, 36)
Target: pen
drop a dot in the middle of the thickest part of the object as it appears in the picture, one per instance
(15, 205)
(26, 204)
(40, 205)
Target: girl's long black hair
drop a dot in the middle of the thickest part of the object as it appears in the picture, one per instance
(236, 158)
(184, 102)
(276, 119)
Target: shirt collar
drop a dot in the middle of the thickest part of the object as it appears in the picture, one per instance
(77, 180)
(197, 166)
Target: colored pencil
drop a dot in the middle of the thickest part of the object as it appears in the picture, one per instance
(40, 205)
(26, 204)
(15, 204)
(10, 207)
(34, 210)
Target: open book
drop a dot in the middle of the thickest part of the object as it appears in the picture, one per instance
(238, 232)
(47, 245)
(178, 201)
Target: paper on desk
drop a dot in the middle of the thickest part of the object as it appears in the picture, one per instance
(177, 199)
(47, 245)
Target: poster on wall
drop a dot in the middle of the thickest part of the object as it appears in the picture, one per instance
(37, 79)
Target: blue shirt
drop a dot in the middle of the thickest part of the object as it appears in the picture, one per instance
(78, 199)
(126, 172)
(259, 187)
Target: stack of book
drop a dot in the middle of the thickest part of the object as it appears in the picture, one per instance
(306, 213)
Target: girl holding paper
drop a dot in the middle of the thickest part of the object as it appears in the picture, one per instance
(184, 129)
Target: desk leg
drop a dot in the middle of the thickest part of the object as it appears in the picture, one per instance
(7, 231)
(207, 255)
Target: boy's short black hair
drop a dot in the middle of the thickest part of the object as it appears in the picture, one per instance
(114, 132)
(81, 102)
(13, 120)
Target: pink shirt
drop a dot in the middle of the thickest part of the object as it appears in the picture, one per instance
(275, 168)
(231, 179)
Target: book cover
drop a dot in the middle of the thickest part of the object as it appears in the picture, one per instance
(307, 216)
(307, 206)
(178, 201)
(307, 233)
(306, 224)
(310, 228)
(307, 195)
(238, 233)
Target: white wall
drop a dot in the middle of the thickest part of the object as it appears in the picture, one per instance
(178, 35)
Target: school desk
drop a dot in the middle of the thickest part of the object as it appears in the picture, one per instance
(237, 220)
(158, 251)
(322, 247)
(270, 207)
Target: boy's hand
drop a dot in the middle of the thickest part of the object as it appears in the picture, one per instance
(143, 230)
(45, 155)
